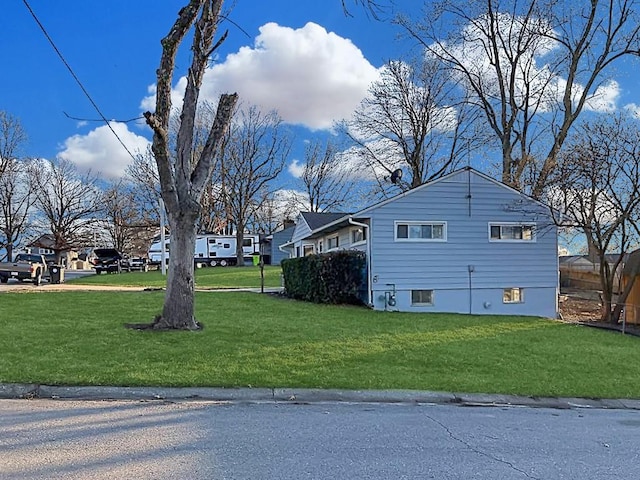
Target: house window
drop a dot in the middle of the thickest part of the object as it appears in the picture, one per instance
(332, 242)
(320, 246)
(358, 235)
(247, 242)
(297, 251)
(307, 250)
(511, 232)
(421, 231)
(421, 297)
(512, 295)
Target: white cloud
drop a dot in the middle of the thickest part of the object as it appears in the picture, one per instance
(633, 109)
(310, 76)
(100, 152)
(357, 164)
(296, 169)
(605, 98)
(534, 77)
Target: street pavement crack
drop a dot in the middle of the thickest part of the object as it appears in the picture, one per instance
(480, 452)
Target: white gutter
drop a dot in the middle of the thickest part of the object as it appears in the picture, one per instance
(288, 245)
(368, 237)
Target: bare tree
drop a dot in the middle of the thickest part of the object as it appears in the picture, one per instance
(274, 209)
(597, 188)
(68, 203)
(17, 196)
(530, 67)
(127, 223)
(145, 185)
(327, 180)
(412, 119)
(12, 137)
(183, 177)
(254, 153)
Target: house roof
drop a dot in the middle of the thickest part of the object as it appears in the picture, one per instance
(446, 177)
(316, 220)
(284, 234)
(632, 264)
(342, 219)
(44, 241)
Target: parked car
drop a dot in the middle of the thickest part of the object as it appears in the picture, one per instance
(25, 267)
(107, 260)
(133, 264)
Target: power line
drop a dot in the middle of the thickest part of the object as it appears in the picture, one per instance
(84, 90)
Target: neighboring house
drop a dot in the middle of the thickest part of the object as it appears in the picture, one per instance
(279, 238)
(302, 241)
(45, 245)
(464, 243)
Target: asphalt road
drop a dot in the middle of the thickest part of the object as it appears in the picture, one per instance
(205, 440)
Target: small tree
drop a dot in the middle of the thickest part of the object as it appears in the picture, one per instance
(128, 226)
(12, 137)
(412, 119)
(254, 154)
(145, 185)
(17, 196)
(327, 182)
(597, 187)
(69, 204)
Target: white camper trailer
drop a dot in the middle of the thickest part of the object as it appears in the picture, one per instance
(211, 250)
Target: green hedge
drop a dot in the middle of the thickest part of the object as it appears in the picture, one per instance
(336, 277)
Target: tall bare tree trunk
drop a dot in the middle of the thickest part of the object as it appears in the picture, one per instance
(178, 311)
(185, 174)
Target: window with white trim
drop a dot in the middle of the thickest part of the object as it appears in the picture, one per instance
(421, 297)
(513, 295)
(307, 250)
(420, 231)
(358, 235)
(332, 242)
(511, 232)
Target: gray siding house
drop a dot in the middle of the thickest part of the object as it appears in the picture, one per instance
(276, 239)
(464, 243)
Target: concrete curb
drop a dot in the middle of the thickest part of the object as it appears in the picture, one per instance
(295, 395)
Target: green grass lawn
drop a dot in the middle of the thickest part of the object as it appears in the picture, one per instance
(217, 277)
(78, 338)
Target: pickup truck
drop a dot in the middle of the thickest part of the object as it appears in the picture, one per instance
(25, 267)
(107, 260)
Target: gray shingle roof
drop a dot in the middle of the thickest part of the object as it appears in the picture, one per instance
(317, 220)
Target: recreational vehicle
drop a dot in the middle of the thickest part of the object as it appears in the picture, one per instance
(211, 250)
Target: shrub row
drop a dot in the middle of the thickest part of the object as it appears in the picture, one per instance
(336, 277)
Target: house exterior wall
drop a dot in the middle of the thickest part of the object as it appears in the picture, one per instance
(466, 271)
(280, 238)
(300, 232)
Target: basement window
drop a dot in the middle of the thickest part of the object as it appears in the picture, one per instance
(513, 295)
(420, 298)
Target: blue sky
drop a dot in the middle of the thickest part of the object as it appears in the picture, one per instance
(114, 48)
(304, 58)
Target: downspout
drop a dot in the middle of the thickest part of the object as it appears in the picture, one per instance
(368, 240)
